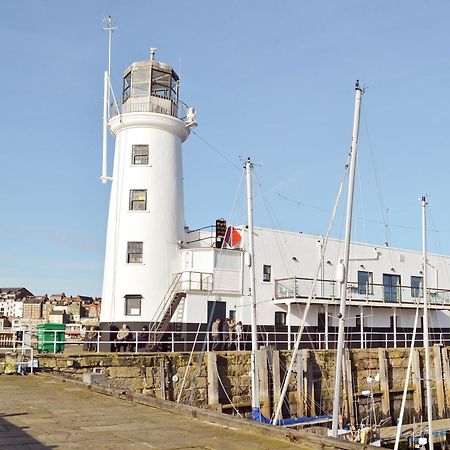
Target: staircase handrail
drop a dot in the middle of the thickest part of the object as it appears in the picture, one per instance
(159, 314)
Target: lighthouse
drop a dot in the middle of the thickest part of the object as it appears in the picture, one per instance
(146, 211)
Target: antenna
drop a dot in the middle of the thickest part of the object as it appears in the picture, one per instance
(106, 88)
(109, 28)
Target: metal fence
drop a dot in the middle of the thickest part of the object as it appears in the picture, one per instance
(145, 341)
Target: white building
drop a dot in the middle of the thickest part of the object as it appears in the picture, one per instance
(157, 270)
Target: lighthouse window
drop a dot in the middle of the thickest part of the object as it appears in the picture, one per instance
(133, 305)
(138, 200)
(134, 252)
(139, 155)
(267, 271)
(126, 87)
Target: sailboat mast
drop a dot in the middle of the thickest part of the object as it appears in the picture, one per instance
(344, 263)
(426, 342)
(252, 293)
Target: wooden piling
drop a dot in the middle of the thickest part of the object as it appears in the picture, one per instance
(438, 382)
(276, 378)
(264, 396)
(384, 384)
(310, 392)
(446, 370)
(213, 379)
(417, 382)
(300, 385)
(349, 387)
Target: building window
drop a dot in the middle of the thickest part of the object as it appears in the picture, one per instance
(138, 199)
(280, 318)
(416, 287)
(139, 155)
(267, 270)
(365, 283)
(391, 288)
(232, 314)
(134, 252)
(133, 305)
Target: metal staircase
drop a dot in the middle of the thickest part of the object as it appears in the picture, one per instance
(161, 319)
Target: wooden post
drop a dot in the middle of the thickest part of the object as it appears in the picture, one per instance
(162, 379)
(417, 381)
(446, 368)
(264, 397)
(384, 384)
(213, 379)
(349, 385)
(300, 396)
(311, 399)
(438, 383)
(276, 376)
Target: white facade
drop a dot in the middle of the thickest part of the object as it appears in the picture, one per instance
(146, 210)
(146, 216)
(387, 300)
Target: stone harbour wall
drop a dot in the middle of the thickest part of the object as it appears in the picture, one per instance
(221, 380)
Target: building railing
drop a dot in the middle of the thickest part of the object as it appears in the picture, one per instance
(150, 103)
(293, 288)
(145, 341)
(194, 281)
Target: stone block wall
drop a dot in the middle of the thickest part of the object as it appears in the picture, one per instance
(221, 380)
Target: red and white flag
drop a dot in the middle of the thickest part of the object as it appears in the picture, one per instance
(232, 237)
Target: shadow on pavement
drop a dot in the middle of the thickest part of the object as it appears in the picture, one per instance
(14, 437)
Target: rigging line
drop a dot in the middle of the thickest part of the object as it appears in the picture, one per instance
(308, 303)
(209, 322)
(375, 173)
(227, 396)
(276, 225)
(229, 161)
(318, 208)
(384, 210)
(280, 247)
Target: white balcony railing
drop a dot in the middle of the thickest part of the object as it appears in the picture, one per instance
(293, 288)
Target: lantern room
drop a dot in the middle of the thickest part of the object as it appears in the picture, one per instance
(150, 86)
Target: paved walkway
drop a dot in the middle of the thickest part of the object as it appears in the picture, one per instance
(42, 412)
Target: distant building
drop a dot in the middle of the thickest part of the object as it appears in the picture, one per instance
(15, 293)
(33, 308)
(58, 317)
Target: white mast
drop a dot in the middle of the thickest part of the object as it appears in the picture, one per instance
(344, 264)
(255, 376)
(106, 87)
(426, 342)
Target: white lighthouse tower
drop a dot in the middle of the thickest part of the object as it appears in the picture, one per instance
(146, 212)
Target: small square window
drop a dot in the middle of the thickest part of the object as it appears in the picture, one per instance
(280, 318)
(134, 252)
(133, 305)
(267, 271)
(139, 155)
(138, 199)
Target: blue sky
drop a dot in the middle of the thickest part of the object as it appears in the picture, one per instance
(270, 80)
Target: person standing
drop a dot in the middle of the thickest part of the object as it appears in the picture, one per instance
(238, 330)
(121, 340)
(231, 326)
(225, 334)
(215, 334)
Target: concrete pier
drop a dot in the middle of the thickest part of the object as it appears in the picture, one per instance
(43, 412)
